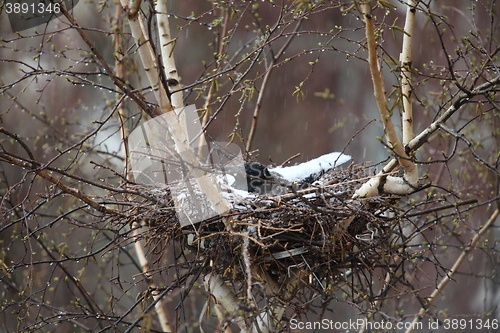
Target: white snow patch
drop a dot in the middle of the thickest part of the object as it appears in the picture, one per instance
(301, 171)
(225, 179)
(234, 196)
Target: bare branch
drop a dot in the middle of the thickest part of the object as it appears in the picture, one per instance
(146, 54)
(57, 182)
(406, 68)
(449, 276)
(396, 185)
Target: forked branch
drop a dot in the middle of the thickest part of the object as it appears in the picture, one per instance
(383, 183)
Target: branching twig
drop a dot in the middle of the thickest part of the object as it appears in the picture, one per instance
(63, 187)
(265, 80)
(159, 306)
(455, 267)
(102, 62)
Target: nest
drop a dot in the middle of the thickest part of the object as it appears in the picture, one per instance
(315, 237)
(319, 232)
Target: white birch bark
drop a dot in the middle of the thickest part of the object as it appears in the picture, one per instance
(383, 183)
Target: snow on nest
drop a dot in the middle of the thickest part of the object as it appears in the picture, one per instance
(315, 166)
(193, 206)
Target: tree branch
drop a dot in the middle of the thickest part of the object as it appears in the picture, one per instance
(65, 188)
(405, 59)
(101, 62)
(146, 54)
(388, 184)
(167, 45)
(265, 80)
(454, 269)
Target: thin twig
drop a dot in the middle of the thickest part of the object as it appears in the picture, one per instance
(57, 182)
(454, 269)
(262, 90)
(102, 62)
(159, 304)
